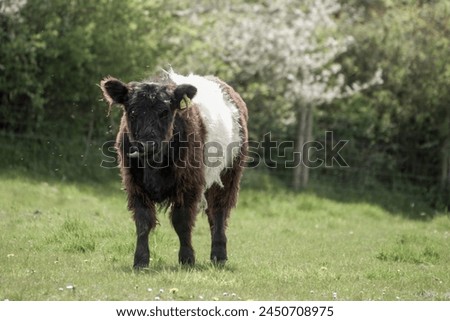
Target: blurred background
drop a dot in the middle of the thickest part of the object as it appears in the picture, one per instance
(374, 73)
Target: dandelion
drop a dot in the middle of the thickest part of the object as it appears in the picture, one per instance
(173, 290)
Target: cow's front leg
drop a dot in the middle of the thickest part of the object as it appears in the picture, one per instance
(183, 219)
(145, 220)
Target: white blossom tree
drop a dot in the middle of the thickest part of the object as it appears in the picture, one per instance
(295, 44)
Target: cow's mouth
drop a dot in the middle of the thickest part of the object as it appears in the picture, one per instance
(134, 152)
(141, 149)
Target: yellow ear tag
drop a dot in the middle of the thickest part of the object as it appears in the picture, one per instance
(185, 102)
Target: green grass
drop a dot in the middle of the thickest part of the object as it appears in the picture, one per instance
(75, 241)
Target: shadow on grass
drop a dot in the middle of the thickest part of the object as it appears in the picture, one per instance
(411, 205)
(96, 180)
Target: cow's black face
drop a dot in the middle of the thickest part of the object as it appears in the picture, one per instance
(149, 110)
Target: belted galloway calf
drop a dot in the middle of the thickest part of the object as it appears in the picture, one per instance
(182, 142)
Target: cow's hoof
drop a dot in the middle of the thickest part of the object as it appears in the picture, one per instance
(141, 263)
(186, 256)
(219, 256)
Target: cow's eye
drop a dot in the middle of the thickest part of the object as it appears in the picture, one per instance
(164, 113)
(132, 115)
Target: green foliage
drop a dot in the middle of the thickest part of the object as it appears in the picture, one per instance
(57, 51)
(53, 55)
(21, 96)
(399, 130)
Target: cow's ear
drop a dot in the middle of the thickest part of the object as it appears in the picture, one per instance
(183, 95)
(114, 91)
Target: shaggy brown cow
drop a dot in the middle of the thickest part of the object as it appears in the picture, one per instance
(182, 139)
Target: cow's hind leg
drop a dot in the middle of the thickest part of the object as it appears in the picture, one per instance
(145, 220)
(183, 220)
(220, 202)
(217, 218)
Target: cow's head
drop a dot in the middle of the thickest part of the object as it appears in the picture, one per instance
(149, 109)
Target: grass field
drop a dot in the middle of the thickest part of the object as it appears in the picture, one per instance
(75, 241)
